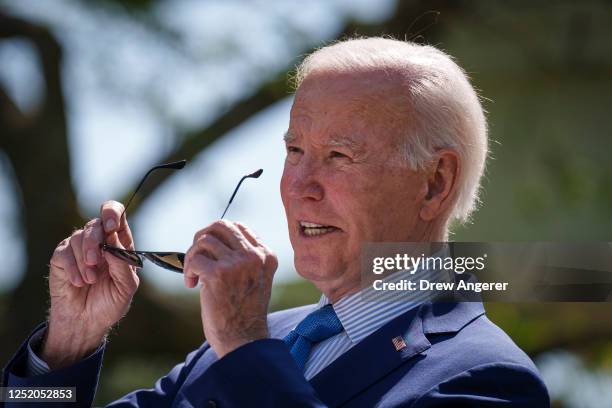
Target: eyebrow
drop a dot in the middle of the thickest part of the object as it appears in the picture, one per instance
(289, 137)
(344, 142)
(335, 141)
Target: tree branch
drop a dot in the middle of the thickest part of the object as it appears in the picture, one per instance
(10, 116)
(50, 54)
(37, 148)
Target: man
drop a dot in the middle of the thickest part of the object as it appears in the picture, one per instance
(386, 143)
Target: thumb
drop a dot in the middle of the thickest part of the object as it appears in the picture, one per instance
(121, 272)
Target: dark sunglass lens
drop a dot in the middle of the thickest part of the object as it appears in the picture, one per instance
(168, 260)
(127, 256)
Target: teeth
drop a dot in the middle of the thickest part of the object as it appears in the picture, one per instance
(317, 231)
(310, 224)
(311, 229)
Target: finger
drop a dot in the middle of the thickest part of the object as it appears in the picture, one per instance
(93, 236)
(123, 274)
(57, 258)
(196, 265)
(190, 282)
(199, 265)
(212, 246)
(229, 234)
(113, 222)
(249, 234)
(191, 252)
(271, 259)
(72, 270)
(110, 212)
(254, 239)
(63, 259)
(189, 277)
(113, 241)
(76, 243)
(125, 235)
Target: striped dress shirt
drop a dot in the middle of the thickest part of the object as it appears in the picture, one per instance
(35, 365)
(364, 312)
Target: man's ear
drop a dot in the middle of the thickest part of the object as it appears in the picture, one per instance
(441, 184)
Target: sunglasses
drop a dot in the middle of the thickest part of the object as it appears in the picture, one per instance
(173, 261)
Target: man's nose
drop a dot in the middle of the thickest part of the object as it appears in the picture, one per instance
(306, 183)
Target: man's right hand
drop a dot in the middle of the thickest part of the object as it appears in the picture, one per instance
(90, 289)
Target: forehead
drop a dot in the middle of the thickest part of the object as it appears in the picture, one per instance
(348, 90)
(356, 104)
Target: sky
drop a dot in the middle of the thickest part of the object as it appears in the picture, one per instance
(128, 88)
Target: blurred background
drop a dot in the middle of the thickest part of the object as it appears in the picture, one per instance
(93, 93)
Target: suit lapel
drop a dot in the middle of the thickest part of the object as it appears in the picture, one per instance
(378, 354)
(370, 360)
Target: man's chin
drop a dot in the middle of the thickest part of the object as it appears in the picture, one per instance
(319, 269)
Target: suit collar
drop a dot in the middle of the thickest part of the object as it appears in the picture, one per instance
(376, 355)
(449, 317)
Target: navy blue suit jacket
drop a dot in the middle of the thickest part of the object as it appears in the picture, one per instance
(454, 356)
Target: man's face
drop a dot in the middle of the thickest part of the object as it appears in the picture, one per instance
(344, 182)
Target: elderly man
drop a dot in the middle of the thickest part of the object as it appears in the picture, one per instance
(386, 143)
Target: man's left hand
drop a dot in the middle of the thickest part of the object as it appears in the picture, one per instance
(236, 271)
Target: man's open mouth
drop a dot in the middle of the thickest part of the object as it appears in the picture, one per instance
(311, 229)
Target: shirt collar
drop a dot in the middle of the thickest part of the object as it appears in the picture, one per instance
(364, 312)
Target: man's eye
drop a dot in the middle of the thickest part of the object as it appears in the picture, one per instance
(293, 149)
(336, 154)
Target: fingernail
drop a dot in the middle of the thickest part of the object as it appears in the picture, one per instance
(91, 275)
(92, 257)
(110, 225)
(77, 281)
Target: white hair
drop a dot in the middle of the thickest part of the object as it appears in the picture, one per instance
(445, 109)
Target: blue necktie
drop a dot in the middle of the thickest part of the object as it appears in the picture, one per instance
(317, 326)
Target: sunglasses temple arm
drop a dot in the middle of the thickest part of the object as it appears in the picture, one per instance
(135, 191)
(233, 195)
(174, 165)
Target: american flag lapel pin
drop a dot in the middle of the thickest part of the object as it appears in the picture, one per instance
(399, 343)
